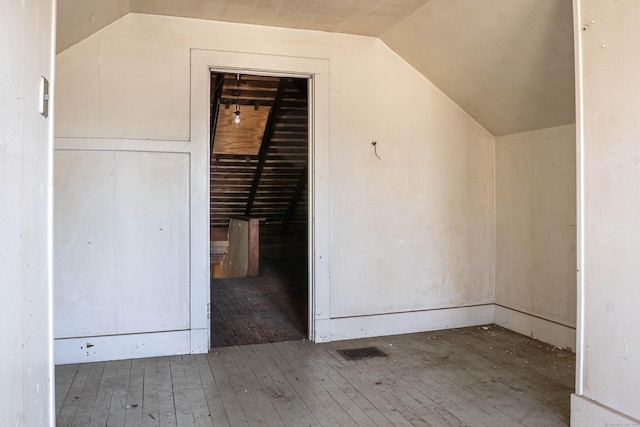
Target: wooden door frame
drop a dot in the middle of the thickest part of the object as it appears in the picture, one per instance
(316, 70)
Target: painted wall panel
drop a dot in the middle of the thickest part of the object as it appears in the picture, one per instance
(99, 86)
(26, 146)
(608, 69)
(121, 234)
(536, 224)
(410, 231)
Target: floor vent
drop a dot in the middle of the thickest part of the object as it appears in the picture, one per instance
(361, 353)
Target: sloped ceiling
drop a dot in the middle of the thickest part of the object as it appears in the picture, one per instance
(366, 17)
(78, 19)
(508, 63)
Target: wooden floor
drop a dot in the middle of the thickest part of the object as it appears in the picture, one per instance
(480, 376)
(269, 308)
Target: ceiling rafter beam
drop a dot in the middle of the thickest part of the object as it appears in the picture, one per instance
(295, 199)
(266, 141)
(216, 95)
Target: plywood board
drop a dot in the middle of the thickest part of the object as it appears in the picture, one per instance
(244, 137)
(243, 250)
(236, 263)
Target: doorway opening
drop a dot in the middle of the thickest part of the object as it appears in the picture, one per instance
(259, 157)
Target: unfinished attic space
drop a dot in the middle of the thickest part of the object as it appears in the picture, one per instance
(258, 208)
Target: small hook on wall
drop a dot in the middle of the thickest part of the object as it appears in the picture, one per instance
(375, 149)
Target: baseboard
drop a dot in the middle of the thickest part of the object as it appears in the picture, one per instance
(118, 347)
(589, 413)
(322, 331)
(346, 328)
(200, 341)
(535, 327)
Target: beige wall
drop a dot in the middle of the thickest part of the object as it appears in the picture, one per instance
(609, 207)
(410, 232)
(536, 233)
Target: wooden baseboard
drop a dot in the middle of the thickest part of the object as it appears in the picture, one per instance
(541, 329)
(589, 413)
(132, 346)
(409, 322)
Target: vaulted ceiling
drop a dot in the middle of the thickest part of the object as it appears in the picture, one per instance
(508, 63)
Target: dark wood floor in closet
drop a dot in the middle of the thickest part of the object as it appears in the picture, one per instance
(265, 309)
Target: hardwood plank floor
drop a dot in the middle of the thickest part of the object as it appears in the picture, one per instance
(480, 376)
(269, 308)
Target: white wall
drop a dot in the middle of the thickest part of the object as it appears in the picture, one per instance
(122, 236)
(410, 233)
(536, 234)
(26, 365)
(609, 152)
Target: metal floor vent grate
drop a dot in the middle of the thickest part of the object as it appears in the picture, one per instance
(361, 353)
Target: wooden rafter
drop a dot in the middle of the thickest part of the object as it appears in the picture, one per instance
(293, 203)
(266, 141)
(216, 94)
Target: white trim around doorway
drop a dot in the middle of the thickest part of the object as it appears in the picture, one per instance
(317, 71)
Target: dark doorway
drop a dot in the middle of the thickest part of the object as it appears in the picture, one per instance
(258, 173)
